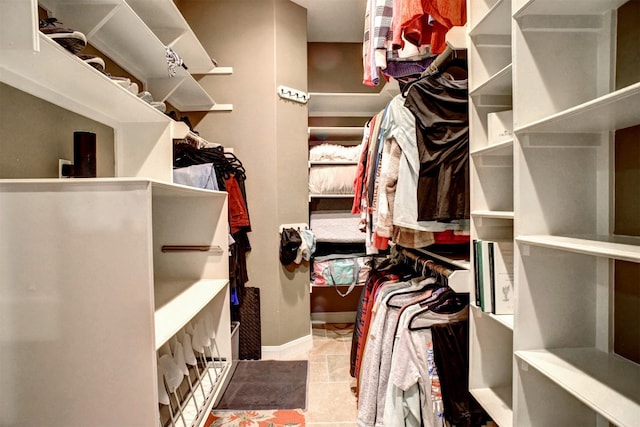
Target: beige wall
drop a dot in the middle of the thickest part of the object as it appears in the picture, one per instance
(265, 43)
(34, 134)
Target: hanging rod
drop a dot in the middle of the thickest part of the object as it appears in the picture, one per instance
(424, 262)
(216, 250)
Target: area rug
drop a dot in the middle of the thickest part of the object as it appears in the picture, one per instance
(277, 418)
(258, 385)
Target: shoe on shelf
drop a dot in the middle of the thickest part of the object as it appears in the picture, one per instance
(72, 40)
(160, 106)
(95, 61)
(126, 83)
(146, 97)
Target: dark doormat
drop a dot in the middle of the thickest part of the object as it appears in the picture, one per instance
(266, 384)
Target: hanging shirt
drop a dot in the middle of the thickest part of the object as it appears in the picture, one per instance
(441, 107)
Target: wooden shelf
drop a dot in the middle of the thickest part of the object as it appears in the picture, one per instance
(498, 84)
(614, 247)
(493, 214)
(74, 85)
(551, 7)
(460, 261)
(332, 163)
(179, 302)
(497, 401)
(333, 132)
(168, 24)
(117, 31)
(617, 110)
(330, 196)
(351, 104)
(496, 21)
(501, 149)
(605, 382)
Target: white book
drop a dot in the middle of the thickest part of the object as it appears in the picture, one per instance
(502, 280)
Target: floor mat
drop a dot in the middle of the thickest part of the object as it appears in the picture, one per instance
(265, 385)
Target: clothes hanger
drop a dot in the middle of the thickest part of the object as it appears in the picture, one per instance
(448, 302)
(429, 285)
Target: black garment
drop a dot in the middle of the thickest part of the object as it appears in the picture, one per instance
(225, 164)
(451, 354)
(441, 109)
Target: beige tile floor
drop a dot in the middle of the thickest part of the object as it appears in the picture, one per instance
(330, 397)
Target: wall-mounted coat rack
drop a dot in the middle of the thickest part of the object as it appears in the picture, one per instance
(293, 94)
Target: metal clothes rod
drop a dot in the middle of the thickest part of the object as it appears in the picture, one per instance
(425, 263)
(217, 250)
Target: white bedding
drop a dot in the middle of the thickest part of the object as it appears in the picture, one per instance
(335, 152)
(332, 179)
(336, 227)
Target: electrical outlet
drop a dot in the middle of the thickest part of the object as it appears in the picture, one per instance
(62, 162)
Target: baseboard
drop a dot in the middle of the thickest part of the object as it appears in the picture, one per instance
(286, 351)
(334, 317)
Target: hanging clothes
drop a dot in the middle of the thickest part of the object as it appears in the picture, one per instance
(440, 106)
(229, 175)
(398, 382)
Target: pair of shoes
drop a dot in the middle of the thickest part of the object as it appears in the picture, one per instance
(125, 82)
(72, 40)
(95, 61)
(148, 98)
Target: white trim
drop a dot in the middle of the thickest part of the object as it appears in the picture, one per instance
(287, 350)
(334, 317)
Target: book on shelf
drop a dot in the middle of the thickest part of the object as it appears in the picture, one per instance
(486, 279)
(482, 275)
(493, 268)
(477, 273)
(502, 281)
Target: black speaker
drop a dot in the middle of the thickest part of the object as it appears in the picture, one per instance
(84, 154)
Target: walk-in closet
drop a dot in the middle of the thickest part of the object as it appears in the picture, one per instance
(371, 213)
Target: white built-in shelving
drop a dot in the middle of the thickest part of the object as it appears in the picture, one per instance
(34, 64)
(102, 297)
(343, 104)
(608, 384)
(551, 190)
(135, 34)
(321, 133)
(491, 182)
(89, 290)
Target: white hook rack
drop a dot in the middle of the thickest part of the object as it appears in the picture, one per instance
(293, 94)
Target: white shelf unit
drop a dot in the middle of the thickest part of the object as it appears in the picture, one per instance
(322, 133)
(339, 136)
(142, 134)
(137, 39)
(492, 189)
(89, 296)
(566, 111)
(341, 104)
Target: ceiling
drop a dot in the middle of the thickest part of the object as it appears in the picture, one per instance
(334, 21)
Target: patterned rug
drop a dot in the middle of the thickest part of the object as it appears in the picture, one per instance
(273, 418)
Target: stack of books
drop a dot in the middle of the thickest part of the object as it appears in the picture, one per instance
(493, 267)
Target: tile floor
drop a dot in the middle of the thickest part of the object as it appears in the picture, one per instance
(330, 397)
